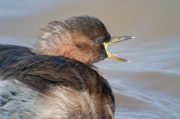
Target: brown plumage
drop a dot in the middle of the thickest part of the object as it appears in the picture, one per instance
(78, 38)
(59, 70)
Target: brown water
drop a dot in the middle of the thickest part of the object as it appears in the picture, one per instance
(146, 88)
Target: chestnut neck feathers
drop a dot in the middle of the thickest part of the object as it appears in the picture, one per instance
(79, 38)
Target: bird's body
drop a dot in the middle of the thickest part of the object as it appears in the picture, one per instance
(58, 84)
(56, 79)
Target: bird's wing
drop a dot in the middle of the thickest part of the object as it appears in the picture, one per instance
(40, 71)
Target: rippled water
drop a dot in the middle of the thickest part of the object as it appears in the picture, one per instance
(146, 88)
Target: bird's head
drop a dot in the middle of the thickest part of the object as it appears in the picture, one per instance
(82, 38)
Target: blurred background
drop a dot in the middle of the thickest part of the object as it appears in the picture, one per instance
(146, 88)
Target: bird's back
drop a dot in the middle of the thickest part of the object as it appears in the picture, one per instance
(51, 87)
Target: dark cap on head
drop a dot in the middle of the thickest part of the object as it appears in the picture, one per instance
(89, 26)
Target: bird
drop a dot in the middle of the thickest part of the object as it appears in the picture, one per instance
(56, 78)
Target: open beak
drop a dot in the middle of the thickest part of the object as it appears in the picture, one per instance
(115, 40)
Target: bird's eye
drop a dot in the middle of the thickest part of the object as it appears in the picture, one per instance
(79, 46)
(99, 40)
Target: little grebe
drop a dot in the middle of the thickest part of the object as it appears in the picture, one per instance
(56, 79)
